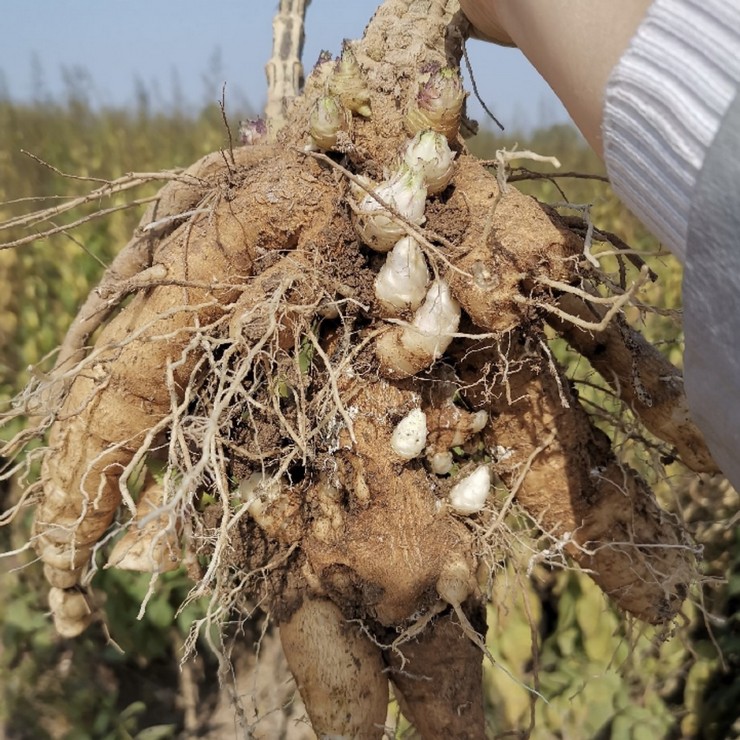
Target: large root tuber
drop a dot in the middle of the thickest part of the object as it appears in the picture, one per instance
(339, 672)
(122, 392)
(437, 679)
(130, 270)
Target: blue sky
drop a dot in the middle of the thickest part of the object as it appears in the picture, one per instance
(202, 44)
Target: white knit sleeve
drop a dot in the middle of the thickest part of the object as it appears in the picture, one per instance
(664, 103)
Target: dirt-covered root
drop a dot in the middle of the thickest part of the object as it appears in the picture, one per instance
(110, 409)
(144, 358)
(642, 377)
(564, 473)
(338, 670)
(510, 239)
(152, 542)
(381, 536)
(197, 188)
(438, 677)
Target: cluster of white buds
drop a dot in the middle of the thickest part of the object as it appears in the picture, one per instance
(402, 281)
(425, 168)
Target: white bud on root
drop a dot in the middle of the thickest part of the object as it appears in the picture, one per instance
(436, 322)
(441, 463)
(328, 118)
(470, 494)
(402, 281)
(480, 419)
(405, 351)
(430, 154)
(357, 189)
(258, 492)
(406, 194)
(252, 132)
(455, 582)
(348, 84)
(438, 105)
(409, 438)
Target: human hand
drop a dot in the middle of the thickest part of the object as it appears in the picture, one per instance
(483, 16)
(573, 44)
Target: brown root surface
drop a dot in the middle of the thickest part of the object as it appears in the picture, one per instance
(380, 554)
(509, 239)
(642, 377)
(599, 511)
(339, 672)
(438, 678)
(122, 391)
(197, 185)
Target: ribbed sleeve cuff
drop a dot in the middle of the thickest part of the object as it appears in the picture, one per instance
(664, 104)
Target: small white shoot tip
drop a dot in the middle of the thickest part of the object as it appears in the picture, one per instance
(439, 315)
(480, 419)
(402, 281)
(469, 495)
(409, 438)
(441, 463)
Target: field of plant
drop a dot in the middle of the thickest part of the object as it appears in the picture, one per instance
(562, 661)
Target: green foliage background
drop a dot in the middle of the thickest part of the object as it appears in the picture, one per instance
(599, 677)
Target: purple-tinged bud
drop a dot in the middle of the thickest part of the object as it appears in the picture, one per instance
(438, 104)
(252, 131)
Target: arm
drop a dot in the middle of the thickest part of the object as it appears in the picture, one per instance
(574, 44)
